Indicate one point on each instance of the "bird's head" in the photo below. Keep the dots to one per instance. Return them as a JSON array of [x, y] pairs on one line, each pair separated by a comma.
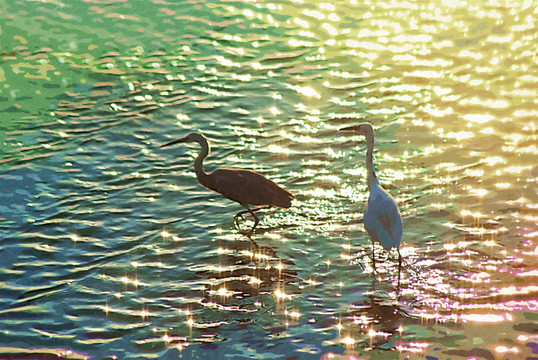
[[364, 128], [199, 138]]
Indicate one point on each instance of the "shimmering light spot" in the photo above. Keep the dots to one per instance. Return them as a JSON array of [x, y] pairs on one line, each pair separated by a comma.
[[501, 349], [478, 192], [475, 214], [362, 320], [490, 243], [516, 169], [526, 113], [494, 104], [483, 318], [475, 173], [365, 45], [301, 22], [224, 292], [460, 135], [488, 131], [528, 273], [294, 314], [348, 340], [323, 193], [327, 6], [467, 53], [478, 118], [314, 13], [493, 160], [373, 333], [282, 295], [330, 29], [438, 206], [273, 110], [166, 338], [435, 111], [428, 74], [313, 282], [278, 149], [305, 90], [144, 313], [413, 347]]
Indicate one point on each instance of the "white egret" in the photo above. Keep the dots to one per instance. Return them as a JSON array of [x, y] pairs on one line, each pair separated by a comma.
[[382, 219]]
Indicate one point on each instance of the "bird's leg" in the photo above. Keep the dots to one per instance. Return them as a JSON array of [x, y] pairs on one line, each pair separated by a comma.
[[236, 222], [373, 254], [252, 212], [399, 271], [256, 220], [241, 213]]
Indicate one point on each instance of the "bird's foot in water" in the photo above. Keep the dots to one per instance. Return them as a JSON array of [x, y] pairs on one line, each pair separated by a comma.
[[247, 233], [236, 219], [240, 215], [373, 259], [244, 232]]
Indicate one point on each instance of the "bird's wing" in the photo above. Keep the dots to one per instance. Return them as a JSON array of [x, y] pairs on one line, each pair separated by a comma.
[[249, 188], [382, 219], [229, 182]]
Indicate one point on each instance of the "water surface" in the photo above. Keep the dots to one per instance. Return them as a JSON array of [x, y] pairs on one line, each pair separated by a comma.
[[111, 249]]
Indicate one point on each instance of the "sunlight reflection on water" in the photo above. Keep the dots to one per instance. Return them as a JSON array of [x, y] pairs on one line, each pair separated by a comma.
[[111, 248]]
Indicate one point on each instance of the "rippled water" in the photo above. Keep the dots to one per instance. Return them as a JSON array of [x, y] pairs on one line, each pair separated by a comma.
[[111, 249]]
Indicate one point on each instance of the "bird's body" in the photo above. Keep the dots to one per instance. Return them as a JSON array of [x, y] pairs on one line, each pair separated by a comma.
[[382, 219], [246, 187]]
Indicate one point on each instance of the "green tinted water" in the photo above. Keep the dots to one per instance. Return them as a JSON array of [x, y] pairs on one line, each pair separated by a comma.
[[111, 248]]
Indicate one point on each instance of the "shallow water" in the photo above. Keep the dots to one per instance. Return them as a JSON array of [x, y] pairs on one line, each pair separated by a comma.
[[110, 248]]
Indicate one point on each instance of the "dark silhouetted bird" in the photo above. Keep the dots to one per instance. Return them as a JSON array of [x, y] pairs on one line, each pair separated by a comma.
[[246, 187]]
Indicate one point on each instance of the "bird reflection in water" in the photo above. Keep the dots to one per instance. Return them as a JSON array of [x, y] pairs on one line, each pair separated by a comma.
[[245, 187], [245, 271], [382, 219], [371, 324]]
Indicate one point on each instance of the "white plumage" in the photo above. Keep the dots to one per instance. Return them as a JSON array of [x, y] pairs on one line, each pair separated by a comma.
[[382, 219]]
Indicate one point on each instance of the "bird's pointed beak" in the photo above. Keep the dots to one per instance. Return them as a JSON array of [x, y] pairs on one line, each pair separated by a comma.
[[351, 128], [182, 140]]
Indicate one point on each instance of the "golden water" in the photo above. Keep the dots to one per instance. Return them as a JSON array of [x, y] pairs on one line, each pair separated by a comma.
[[111, 248]]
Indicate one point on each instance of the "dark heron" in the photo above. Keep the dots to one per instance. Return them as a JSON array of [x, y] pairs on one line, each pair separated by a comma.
[[382, 218], [246, 187]]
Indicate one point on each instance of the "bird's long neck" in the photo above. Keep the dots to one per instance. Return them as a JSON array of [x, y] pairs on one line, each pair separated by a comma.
[[201, 175], [372, 177]]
